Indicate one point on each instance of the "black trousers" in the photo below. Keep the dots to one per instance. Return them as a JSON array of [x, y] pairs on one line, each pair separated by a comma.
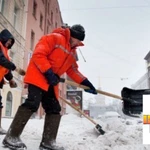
[[47, 98]]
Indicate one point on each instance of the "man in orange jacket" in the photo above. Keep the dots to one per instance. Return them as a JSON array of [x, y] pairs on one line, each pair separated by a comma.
[[6, 42], [54, 55]]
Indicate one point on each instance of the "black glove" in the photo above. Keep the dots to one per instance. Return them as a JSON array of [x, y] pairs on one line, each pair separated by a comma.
[[92, 89], [52, 78], [13, 67], [12, 84]]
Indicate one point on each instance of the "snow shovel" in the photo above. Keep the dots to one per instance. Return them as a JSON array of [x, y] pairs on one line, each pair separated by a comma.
[[132, 99], [97, 127]]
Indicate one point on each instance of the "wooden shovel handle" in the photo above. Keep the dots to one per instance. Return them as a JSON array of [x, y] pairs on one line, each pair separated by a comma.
[[20, 71], [85, 87], [79, 110]]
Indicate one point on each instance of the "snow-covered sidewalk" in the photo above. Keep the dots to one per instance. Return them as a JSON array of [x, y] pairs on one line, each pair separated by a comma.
[[76, 133]]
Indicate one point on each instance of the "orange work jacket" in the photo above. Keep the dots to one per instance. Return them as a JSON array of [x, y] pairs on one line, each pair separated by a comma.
[[3, 70], [53, 51]]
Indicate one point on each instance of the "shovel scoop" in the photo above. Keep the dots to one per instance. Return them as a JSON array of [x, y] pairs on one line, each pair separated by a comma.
[[133, 101]]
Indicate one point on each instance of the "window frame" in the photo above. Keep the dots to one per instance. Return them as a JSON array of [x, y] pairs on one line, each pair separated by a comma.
[[34, 9]]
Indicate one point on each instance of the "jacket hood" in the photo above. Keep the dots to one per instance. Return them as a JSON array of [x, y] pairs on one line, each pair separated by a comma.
[[66, 33], [5, 35], [63, 31]]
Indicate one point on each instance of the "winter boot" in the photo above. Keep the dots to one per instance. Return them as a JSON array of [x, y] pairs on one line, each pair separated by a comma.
[[50, 132], [12, 139], [2, 131]]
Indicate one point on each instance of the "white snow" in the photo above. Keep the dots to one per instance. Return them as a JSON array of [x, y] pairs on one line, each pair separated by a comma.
[[77, 133]]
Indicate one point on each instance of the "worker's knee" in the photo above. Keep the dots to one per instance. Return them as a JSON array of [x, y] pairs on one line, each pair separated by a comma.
[[32, 105], [51, 106]]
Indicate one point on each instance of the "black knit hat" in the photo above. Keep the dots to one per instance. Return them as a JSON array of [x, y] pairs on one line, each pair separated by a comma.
[[77, 31]]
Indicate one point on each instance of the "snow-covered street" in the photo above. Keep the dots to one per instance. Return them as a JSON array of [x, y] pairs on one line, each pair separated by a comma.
[[76, 133]]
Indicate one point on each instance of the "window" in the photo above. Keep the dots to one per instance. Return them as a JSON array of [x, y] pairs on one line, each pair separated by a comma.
[[16, 16], [48, 25], [55, 24], [8, 104], [1, 1], [32, 40], [2, 4], [48, 8], [51, 17], [34, 9], [41, 21], [47, 29], [56, 10]]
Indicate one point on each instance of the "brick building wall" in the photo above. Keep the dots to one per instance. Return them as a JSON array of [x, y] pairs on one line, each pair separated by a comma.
[[42, 17]]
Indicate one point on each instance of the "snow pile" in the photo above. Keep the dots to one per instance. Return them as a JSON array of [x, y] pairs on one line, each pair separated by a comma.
[[76, 133]]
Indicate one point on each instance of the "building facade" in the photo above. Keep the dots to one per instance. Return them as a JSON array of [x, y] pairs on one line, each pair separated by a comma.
[[14, 21], [144, 81], [147, 58]]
